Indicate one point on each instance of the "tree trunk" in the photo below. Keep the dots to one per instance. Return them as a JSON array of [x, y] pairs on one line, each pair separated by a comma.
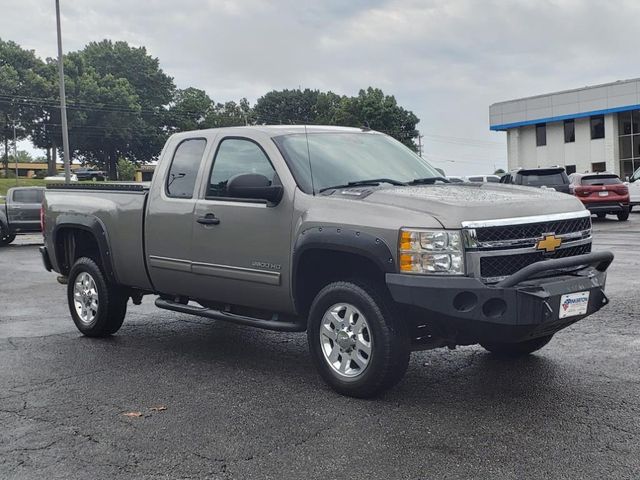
[[54, 159], [51, 163], [113, 171], [6, 157]]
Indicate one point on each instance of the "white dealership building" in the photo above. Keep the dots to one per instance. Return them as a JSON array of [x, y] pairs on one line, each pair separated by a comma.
[[586, 129]]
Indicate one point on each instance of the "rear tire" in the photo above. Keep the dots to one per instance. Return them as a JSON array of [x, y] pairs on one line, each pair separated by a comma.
[[602, 215], [623, 216], [519, 349], [5, 237], [356, 339], [97, 307]]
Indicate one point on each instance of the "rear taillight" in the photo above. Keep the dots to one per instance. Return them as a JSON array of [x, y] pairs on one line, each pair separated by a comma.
[[42, 219], [581, 191]]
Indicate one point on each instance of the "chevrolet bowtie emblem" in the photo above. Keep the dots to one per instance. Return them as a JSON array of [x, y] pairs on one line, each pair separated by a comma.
[[549, 243]]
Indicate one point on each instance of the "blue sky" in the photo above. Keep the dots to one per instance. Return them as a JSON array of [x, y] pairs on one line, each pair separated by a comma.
[[445, 60]]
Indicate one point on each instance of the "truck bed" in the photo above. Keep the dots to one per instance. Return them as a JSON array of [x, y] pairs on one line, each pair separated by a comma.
[[119, 208]]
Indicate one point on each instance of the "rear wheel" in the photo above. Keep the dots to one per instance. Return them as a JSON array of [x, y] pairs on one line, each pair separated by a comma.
[[5, 237], [358, 344], [623, 216], [97, 307], [602, 215], [517, 349]]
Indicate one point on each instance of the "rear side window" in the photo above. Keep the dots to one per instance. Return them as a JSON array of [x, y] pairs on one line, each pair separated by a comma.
[[236, 156], [601, 180], [28, 196], [184, 168], [539, 179], [476, 179]]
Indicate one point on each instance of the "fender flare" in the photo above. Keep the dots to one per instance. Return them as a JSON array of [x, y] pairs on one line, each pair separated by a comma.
[[93, 225], [341, 240], [4, 221]]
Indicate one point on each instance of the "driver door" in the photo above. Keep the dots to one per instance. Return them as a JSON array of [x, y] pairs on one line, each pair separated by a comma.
[[241, 247]]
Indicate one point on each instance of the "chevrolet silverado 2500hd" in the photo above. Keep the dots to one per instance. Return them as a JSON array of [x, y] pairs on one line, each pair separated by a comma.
[[343, 233]]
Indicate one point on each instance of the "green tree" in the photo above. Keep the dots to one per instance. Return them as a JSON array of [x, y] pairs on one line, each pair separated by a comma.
[[189, 109], [287, 107], [380, 112], [126, 170], [21, 76], [149, 93]]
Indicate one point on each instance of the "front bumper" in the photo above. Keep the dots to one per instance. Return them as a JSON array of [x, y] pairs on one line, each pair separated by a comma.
[[523, 306]]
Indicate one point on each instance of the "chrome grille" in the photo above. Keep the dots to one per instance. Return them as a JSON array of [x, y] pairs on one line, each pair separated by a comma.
[[498, 266], [532, 230]]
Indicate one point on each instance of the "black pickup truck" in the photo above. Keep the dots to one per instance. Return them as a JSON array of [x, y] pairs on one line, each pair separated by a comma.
[[21, 213]]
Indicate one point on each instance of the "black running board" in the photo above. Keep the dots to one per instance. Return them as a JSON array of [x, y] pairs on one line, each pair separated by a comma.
[[230, 317]]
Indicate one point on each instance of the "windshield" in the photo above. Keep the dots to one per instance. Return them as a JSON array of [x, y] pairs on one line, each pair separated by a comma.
[[601, 180], [538, 179], [337, 158]]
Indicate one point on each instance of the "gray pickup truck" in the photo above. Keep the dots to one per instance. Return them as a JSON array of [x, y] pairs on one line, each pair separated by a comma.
[[20, 214], [343, 233]]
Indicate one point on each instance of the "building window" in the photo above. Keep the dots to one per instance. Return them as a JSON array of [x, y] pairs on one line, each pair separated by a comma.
[[599, 167], [570, 169], [597, 127], [629, 142], [541, 135], [569, 131]]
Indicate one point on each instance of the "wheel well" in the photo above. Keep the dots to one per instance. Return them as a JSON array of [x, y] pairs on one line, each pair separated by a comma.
[[319, 267], [74, 243]]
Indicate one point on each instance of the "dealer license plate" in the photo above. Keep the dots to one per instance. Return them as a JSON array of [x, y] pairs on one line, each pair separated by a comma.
[[573, 304], [603, 194]]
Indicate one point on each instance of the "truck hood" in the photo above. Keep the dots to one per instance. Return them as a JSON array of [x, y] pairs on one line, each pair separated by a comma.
[[452, 204]]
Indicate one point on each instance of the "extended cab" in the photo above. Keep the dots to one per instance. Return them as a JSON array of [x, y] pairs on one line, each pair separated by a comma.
[[343, 233], [20, 214]]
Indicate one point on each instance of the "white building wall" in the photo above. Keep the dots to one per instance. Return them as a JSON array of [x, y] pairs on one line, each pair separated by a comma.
[[523, 153]]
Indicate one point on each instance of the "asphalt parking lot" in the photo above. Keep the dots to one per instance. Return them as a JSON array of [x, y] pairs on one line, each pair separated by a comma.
[[223, 401]]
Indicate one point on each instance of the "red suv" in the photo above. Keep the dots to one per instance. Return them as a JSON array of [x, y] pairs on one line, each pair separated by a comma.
[[602, 193]]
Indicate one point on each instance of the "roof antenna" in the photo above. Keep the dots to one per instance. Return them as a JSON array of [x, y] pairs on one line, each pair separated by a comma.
[[313, 188], [366, 127]]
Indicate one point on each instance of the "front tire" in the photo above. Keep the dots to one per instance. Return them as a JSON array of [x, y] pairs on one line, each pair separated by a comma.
[[519, 349], [356, 339], [97, 307]]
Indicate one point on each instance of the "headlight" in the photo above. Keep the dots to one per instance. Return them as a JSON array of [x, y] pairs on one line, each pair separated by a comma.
[[431, 252]]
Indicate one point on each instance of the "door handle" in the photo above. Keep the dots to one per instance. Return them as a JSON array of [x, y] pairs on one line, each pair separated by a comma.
[[208, 219]]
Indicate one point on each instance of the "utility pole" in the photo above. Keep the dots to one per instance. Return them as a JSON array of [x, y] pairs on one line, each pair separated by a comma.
[[15, 151], [63, 100], [420, 143]]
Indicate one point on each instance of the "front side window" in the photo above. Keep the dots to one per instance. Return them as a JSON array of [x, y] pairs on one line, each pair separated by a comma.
[[569, 131], [476, 179], [597, 127], [236, 156], [184, 168], [325, 159], [28, 196], [541, 135]]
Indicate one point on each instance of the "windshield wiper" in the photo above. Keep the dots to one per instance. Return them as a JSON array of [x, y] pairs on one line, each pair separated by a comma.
[[428, 181], [372, 182]]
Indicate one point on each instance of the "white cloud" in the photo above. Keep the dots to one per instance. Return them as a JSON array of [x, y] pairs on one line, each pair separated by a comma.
[[445, 60]]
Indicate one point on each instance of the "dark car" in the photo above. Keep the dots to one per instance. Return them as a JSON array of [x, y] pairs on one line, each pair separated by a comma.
[[551, 177], [21, 213], [90, 174], [602, 193]]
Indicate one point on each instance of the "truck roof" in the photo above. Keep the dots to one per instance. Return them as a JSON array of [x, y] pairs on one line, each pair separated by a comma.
[[276, 130]]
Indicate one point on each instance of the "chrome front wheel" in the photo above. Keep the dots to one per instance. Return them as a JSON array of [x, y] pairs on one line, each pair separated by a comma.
[[85, 298], [346, 340]]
